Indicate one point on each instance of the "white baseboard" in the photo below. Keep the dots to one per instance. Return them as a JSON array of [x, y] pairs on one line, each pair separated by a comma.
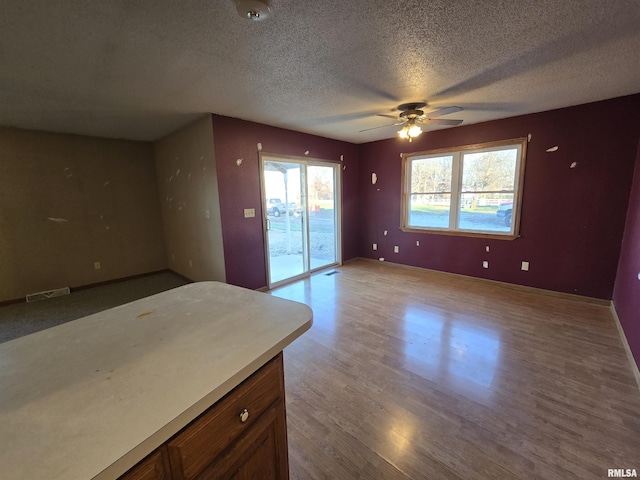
[[623, 337]]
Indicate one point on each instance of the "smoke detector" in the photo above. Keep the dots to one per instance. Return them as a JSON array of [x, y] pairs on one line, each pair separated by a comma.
[[254, 10]]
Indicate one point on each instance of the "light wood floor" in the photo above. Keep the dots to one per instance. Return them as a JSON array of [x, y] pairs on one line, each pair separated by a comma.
[[411, 374]]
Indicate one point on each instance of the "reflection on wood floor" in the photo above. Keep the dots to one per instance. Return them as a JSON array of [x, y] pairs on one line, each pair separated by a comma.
[[412, 374]]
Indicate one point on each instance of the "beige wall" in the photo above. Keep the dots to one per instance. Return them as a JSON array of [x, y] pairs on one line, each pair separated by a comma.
[[67, 201], [188, 186]]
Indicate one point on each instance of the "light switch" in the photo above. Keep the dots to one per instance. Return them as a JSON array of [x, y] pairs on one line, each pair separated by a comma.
[[249, 212], [485, 264]]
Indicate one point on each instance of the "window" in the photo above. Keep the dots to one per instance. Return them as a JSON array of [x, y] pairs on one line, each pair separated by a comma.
[[473, 190]]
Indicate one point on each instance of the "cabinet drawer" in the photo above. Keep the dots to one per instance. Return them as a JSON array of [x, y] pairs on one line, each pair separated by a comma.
[[208, 436]]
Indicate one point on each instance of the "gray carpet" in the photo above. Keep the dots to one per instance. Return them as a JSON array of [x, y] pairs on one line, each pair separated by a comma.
[[24, 318]]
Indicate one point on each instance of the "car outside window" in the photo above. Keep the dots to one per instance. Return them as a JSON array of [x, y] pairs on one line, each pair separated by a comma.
[[276, 207]]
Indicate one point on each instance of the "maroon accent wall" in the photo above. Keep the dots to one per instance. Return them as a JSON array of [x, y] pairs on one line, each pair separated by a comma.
[[572, 218], [626, 294], [239, 188]]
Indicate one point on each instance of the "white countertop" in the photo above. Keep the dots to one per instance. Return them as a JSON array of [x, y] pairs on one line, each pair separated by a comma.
[[92, 397]]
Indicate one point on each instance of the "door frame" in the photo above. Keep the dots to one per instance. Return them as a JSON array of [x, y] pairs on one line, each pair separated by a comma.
[[305, 161]]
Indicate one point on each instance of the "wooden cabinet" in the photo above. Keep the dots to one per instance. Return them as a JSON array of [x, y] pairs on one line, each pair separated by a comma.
[[242, 436]]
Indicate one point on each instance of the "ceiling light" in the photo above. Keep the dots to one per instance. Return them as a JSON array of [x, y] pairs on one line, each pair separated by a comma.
[[255, 10], [410, 130]]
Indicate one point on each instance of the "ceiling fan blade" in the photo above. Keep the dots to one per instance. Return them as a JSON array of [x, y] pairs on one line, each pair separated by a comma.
[[441, 121], [444, 111], [388, 116], [381, 126]]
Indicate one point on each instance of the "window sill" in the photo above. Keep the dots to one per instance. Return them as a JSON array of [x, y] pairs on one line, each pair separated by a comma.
[[458, 233]]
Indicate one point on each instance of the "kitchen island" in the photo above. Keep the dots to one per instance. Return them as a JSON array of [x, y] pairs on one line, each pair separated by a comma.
[[92, 398]]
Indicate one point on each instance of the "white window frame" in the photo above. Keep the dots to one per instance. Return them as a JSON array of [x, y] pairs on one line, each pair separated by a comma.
[[456, 188]]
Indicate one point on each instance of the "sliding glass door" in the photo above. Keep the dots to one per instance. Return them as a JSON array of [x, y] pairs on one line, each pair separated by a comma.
[[301, 212], [323, 215]]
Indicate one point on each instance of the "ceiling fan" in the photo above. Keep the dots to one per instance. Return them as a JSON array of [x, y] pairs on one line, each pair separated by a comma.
[[412, 117]]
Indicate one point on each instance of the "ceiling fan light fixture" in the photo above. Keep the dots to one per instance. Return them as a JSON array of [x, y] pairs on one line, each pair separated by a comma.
[[412, 117], [254, 10], [410, 130], [414, 131]]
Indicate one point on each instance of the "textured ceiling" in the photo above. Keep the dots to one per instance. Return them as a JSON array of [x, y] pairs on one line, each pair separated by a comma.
[[140, 69]]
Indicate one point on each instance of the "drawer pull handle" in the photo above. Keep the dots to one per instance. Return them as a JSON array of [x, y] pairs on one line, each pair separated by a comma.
[[244, 416]]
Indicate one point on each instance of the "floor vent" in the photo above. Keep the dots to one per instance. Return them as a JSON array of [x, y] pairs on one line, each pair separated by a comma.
[[58, 292], [332, 272]]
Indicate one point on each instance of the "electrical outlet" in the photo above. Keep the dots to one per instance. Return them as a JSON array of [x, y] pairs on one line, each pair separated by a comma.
[[525, 266], [249, 212], [486, 248], [417, 243], [396, 249], [485, 264], [375, 246], [97, 265]]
